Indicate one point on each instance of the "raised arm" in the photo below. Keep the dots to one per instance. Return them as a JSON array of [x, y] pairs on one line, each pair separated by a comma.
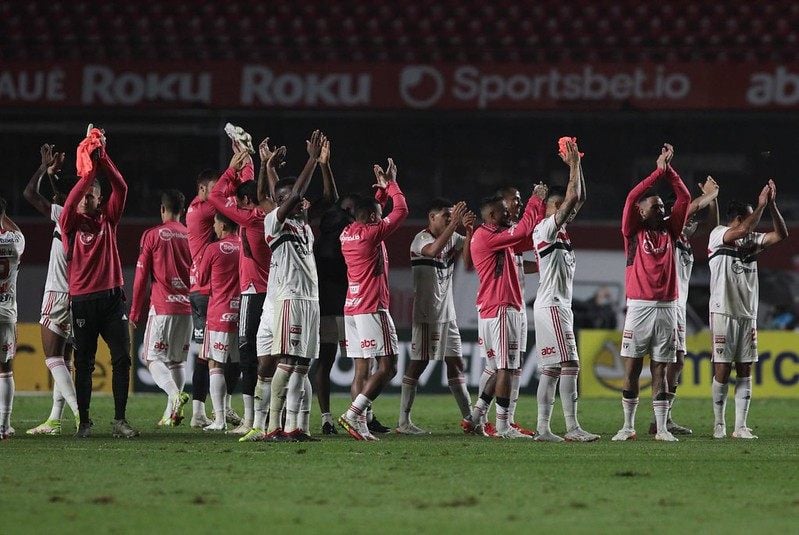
[[515, 234], [69, 216], [709, 200], [314, 147], [31, 192], [731, 235], [780, 231], [222, 190], [433, 248], [630, 217], [683, 199], [468, 223], [119, 188], [144, 266], [271, 161], [399, 209], [329, 190], [568, 208]]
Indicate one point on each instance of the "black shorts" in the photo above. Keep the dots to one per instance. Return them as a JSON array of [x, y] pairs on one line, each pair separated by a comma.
[[199, 311]]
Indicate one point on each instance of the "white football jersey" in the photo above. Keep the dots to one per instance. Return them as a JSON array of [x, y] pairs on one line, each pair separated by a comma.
[[57, 268], [734, 286], [292, 271], [684, 260], [432, 279], [12, 245], [556, 264]]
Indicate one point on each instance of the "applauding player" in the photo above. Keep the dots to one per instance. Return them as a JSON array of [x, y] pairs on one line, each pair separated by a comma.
[[652, 292], [12, 245], [435, 330], [733, 251]]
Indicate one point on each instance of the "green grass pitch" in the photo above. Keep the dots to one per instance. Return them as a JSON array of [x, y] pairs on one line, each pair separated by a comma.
[[183, 480]]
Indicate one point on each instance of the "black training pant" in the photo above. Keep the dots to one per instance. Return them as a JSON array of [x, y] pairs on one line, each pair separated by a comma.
[[101, 314], [249, 319]]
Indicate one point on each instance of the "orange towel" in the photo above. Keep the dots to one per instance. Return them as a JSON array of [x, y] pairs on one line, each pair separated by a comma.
[[83, 159], [562, 145]]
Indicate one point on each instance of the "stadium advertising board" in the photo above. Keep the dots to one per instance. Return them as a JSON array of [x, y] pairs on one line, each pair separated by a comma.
[[509, 86], [776, 375], [32, 375]]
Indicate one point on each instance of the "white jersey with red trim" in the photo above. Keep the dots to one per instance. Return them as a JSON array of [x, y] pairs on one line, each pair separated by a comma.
[[734, 289], [12, 245], [684, 258], [292, 270], [556, 264], [432, 279], [57, 267]]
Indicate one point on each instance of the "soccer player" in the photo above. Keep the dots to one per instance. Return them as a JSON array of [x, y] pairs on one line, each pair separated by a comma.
[[95, 280], [290, 320], [554, 321], [435, 333], [651, 284], [513, 201], [368, 324], [220, 262], [55, 322], [684, 263], [733, 251], [200, 223], [499, 301], [164, 261], [254, 256], [12, 245]]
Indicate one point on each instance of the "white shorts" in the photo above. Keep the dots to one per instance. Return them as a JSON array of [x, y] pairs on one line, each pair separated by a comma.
[[435, 341], [650, 330], [8, 341], [263, 340], [371, 335], [734, 339], [523, 332], [331, 331], [167, 337], [55, 313], [554, 335], [295, 328], [221, 347], [681, 325], [500, 338]]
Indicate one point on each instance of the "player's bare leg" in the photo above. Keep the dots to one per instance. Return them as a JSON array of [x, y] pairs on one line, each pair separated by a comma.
[[199, 386], [405, 425], [327, 357], [629, 398]]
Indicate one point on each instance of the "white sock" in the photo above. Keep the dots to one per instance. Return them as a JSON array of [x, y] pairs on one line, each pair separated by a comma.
[[719, 401], [479, 411], [249, 409], [629, 406], [261, 402], [358, 407], [277, 398], [228, 401], [457, 385], [743, 395], [63, 381], [370, 415], [545, 396], [217, 389], [294, 397], [406, 400], [6, 398], [198, 408], [327, 418], [487, 374], [304, 418], [163, 378], [514, 394], [178, 370], [57, 410], [568, 396], [503, 424], [661, 410]]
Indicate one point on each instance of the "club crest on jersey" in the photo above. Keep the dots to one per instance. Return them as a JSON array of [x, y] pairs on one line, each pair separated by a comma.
[[87, 238], [355, 288], [80, 323], [650, 248]]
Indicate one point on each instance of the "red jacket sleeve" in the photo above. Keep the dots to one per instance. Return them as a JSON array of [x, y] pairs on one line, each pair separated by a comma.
[[222, 200], [381, 196], [144, 266], [247, 172], [119, 189], [69, 215], [398, 213], [630, 219], [514, 235], [680, 210]]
